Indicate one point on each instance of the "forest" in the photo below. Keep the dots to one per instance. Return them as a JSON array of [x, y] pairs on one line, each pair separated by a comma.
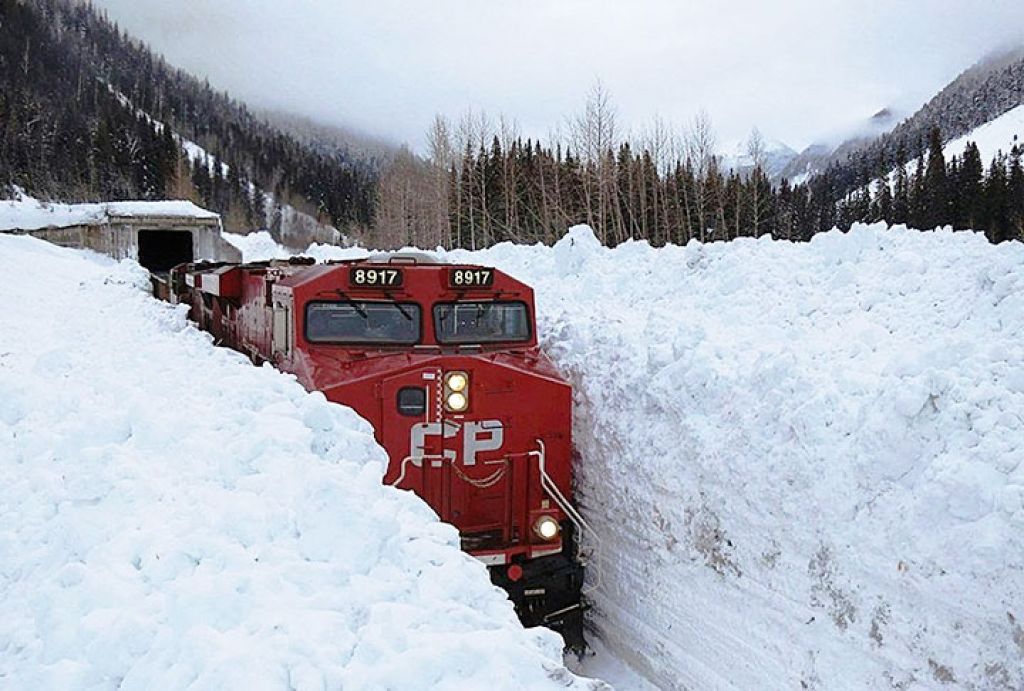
[[82, 109], [482, 183]]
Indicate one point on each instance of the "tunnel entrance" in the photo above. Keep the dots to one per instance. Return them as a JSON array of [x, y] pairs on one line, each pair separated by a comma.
[[161, 250]]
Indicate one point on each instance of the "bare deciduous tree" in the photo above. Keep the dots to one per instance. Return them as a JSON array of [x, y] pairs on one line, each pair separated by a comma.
[[701, 149], [594, 136], [441, 154], [758, 185]]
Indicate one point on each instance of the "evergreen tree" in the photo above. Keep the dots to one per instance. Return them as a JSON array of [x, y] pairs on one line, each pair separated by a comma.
[[998, 225], [901, 193], [969, 184], [934, 193], [1015, 194]]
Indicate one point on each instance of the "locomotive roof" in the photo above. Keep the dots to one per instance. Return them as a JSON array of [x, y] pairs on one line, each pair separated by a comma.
[[309, 272], [403, 258]]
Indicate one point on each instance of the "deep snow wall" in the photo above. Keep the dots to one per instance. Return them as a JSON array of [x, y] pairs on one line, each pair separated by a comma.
[[172, 517], [805, 459]]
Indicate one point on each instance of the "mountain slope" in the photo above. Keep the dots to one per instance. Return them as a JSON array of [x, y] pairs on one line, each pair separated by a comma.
[[816, 157], [64, 132], [979, 95]]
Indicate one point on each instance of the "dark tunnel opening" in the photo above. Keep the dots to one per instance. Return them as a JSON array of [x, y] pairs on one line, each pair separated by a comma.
[[162, 250]]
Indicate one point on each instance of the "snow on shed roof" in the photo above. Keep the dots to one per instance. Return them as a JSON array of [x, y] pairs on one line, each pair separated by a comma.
[[31, 214]]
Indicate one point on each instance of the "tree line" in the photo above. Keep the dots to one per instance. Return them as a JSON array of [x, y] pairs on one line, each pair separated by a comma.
[[482, 183], [929, 192]]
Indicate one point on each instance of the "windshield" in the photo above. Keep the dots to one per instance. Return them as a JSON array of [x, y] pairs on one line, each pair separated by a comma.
[[481, 322], [379, 323]]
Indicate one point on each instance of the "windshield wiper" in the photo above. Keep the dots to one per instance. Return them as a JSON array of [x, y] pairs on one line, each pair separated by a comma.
[[398, 305], [355, 305]]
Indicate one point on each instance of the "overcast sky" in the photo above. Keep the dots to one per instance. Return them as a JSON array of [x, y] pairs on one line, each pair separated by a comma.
[[800, 70]]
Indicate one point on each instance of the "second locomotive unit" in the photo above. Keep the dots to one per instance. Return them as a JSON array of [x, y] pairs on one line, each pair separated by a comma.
[[443, 361]]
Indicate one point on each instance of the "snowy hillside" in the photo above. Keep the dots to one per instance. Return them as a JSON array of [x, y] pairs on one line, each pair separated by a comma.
[[294, 226], [1001, 134], [172, 517]]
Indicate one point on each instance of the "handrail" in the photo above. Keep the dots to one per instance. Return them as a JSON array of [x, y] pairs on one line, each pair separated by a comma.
[[482, 483], [575, 517], [418, 460]]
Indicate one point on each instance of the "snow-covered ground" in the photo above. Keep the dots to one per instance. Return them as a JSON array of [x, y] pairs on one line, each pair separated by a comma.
[[806, 461], [172, 517]]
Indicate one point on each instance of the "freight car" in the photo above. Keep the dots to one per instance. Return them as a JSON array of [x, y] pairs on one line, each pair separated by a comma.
[[442, 359]]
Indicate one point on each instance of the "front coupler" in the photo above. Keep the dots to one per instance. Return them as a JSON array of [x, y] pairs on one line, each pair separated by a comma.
[[547, 592]]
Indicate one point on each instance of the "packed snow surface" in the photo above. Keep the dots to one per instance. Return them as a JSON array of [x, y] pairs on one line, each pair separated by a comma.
[[172, 517], [806, 461], [261, 245], [27, 213]]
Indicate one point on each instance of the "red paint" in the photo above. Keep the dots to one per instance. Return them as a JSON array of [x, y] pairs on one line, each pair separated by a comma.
[[515, 384], [515, 572]]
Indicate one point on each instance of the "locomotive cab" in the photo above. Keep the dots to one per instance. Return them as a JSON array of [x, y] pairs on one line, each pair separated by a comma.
[[443, 361]]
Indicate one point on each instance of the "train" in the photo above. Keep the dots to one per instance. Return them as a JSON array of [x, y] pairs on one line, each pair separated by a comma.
[[443, 360]]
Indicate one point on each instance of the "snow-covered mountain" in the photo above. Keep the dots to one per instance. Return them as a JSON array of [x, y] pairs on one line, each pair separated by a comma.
[[981, 95], [816, 157], [99, 96], [998, 135], [293, 227], [776, 157]]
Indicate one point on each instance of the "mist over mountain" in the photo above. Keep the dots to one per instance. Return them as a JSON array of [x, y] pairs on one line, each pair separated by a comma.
[[817, 156], [87, 113], [349, 142], [980, 94]]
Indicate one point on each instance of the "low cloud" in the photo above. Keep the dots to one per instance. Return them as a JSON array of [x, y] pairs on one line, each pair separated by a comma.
[[798, 69]]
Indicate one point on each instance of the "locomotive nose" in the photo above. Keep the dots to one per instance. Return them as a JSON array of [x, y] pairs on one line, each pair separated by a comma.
[[464, 433]]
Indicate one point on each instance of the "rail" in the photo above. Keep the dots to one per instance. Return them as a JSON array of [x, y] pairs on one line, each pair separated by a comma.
[[580, 523], [482, 483]]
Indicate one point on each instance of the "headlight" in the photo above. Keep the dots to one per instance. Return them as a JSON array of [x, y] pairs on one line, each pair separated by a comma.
[[457, 401], [546, 527], [457, 381], [456, 391]]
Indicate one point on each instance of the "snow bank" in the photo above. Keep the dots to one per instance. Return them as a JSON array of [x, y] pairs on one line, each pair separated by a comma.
[[27, 213], [258, 246], [805, 460], [261, 246], [172, 517]]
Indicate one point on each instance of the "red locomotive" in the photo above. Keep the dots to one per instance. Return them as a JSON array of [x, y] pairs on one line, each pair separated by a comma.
[[443, 360]]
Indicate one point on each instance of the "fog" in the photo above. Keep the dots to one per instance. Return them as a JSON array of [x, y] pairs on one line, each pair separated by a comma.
[[799, 70]]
